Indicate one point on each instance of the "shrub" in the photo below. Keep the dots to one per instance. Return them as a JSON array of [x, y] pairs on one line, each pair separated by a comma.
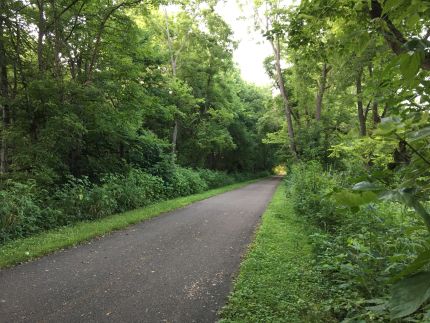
[[184, 182], [215, 178], [20, 213], [309, 188], [73, 200], [358, 249], [359, 260], [25, 209], [101, 202], [135, 190], [81, 200]]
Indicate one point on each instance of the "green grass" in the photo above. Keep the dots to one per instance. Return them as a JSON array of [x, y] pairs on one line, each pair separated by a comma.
[[25, 249], [278, 281]]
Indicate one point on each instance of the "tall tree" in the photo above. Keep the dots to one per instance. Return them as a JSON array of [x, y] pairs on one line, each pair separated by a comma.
[[4, 92], [272, 28], [322, 86]]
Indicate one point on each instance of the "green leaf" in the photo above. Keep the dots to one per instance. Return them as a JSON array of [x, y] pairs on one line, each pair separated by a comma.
[[413, 20], [422, 260], [391, 196], [354, 199], [390, 5], [366, 186], [403, 195], [388, 126], [409, 294], [419, 134], [410, 64]]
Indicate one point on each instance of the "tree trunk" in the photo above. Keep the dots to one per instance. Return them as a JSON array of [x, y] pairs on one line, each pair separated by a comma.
[[3, 103], [375, 114], [360, 111], [321, 90], [384, 112], [57, 40], [98, 40], [281, 86], [90, 67], [3, 148], [175, 136], [392, 35], [173, 65], [41, 34]]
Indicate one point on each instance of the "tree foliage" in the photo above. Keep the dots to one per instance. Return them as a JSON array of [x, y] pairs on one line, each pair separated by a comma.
[[91, 95], [357, 76]]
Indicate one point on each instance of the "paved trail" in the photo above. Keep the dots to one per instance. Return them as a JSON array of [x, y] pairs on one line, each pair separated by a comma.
[[177, 267]]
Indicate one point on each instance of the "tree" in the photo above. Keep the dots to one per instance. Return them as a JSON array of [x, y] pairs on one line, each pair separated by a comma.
[[271, 27]]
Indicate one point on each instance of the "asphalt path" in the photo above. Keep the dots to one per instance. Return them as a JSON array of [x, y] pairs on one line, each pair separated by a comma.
[[177, 267]]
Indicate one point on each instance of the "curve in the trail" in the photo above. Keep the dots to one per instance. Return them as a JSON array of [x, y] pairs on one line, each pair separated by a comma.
[[177, 267]]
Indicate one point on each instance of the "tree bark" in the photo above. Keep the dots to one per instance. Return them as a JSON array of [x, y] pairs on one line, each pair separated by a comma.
[[384, 112], [89, 70], [280, 81], [375, 114], [41, 34], [321, 91], [99, 34], [175, 136], [394, 38], [4, 97], [173, 65], [360, 111], [57, 40]]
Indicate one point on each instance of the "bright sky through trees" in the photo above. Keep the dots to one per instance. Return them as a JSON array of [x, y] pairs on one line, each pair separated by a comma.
[[252, 48]]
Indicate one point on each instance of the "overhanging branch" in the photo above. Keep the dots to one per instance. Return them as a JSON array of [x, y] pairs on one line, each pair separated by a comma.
[[392, 35]]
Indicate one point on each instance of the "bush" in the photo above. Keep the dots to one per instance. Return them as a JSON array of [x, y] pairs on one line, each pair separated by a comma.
[[81, 200], [25, 209], [73, 200], [309, 187], [215, 178], [373, 245], [358, 249], [101, 202], [184, 182], [137, 189], [20, 211]]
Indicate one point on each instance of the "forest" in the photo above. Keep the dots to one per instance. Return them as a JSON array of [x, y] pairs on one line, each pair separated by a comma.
[[108, 106], [111, 105]]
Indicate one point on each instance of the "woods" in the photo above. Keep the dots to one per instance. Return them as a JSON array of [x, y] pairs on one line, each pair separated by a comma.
[[103, 96], [108, 106], [142, 72]]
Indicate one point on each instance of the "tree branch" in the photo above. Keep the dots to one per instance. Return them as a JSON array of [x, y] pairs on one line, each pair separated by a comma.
[[393, 36], [48, 26], [100, 32]]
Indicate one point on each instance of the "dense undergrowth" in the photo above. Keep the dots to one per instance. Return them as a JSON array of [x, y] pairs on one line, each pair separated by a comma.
[[25, 249], [26, 209], [359, 251], [279, 280], [315, 260]]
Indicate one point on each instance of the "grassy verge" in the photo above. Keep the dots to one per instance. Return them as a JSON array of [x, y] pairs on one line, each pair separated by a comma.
[[278, 281], [25, 249]]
